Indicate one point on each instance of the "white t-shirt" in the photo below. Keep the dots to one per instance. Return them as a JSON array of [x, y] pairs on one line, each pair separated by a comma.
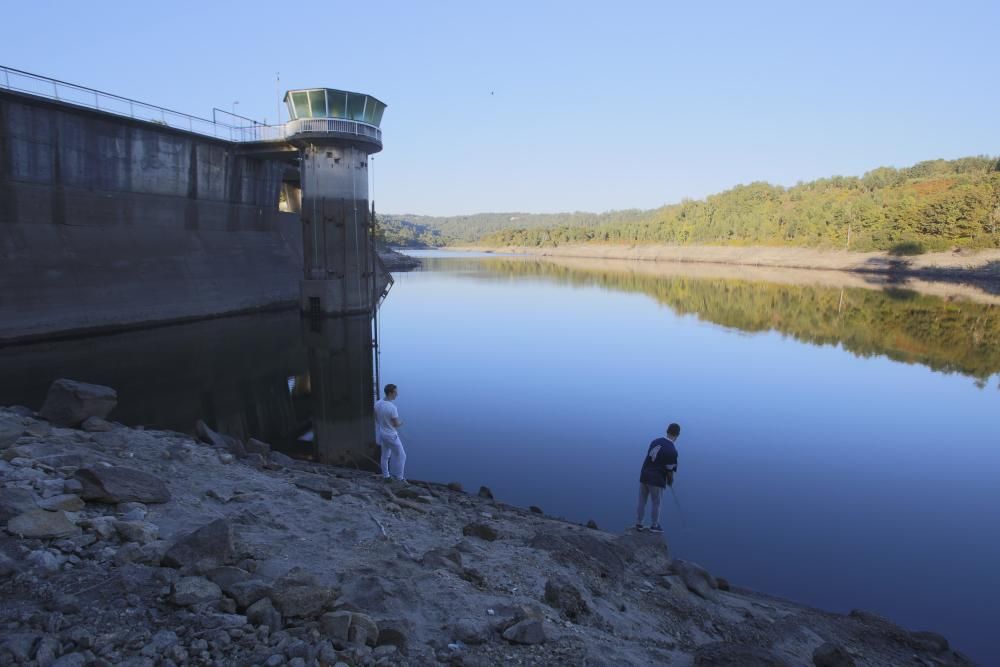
[[385, 412]]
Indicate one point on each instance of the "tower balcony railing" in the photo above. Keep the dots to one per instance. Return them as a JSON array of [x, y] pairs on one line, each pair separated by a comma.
[[236, 128], [303, 127]]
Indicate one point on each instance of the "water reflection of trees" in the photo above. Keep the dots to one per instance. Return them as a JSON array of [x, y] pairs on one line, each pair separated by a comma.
[[903, 325]]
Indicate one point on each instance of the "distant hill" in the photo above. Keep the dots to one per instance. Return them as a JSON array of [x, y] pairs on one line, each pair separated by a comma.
[[932, 205]]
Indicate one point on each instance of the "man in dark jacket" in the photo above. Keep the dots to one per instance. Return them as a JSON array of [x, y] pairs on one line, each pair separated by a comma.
[[658, 470]]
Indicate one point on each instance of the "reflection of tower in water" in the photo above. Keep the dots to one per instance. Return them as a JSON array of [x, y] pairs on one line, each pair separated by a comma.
[[338, 393]]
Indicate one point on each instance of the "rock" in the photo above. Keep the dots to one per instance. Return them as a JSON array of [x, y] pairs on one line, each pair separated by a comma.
[[535, 509], [21, 645], [210, 546], [66, 502], [471, 632], [208, 436], [14, 501], [142, 532], [696, 578], [448, 559], [336, 627], [593, 551], [930, 642], [42, 524], [227, 576], [394, 632], [10, 431], [480, 530], [726, 654], [226, 458], [255, 446], [484, 492], [118, 484], [104, 526], [96, 425], [364, 630], [318, 485], [194, 590], [564, 596], [592, 524], [71, 660], [301, 601], [281, 459], [69, 403], [831, 655], [722, 584], [47, 650], [262, 612], [528, 631], [455, 486], [44, 560]]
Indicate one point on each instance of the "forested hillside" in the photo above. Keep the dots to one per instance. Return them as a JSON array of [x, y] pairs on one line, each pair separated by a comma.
[[932, 205]]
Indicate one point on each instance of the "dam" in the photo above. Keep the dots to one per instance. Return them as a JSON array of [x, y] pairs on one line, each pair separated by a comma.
[[117, 214]]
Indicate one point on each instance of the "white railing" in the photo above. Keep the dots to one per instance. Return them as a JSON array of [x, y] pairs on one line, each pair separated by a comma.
[[305, 126], [70, 93]]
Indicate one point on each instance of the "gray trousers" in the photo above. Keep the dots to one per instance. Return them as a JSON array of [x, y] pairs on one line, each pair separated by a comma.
[[655, 493]]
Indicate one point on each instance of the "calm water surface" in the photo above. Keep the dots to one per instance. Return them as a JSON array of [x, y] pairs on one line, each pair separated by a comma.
[[839, 444]]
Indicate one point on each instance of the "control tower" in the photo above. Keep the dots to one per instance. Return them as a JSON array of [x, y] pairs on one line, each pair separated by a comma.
[[335, 132]]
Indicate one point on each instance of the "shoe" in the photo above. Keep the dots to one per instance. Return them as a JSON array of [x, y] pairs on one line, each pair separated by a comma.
[[386, 478], [655, 529], [639, 528]]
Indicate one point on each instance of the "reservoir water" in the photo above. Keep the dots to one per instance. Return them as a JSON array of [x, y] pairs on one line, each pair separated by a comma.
[[840, 436]]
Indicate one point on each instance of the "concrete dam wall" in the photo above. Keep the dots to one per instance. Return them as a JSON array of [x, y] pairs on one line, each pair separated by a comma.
[[108, 222]]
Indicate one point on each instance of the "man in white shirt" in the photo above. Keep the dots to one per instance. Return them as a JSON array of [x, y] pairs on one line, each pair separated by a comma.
[[386, 422]]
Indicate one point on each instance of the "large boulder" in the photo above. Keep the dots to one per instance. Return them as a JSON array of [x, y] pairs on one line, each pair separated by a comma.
[[118, 484], [696, 578], [11, 429], [262, 612], [564, 596], [42, 524], [194, 590], [528, 631], [14, 501], [831, 655], [480, 530], [299, 594], [227, 442], [592, 551], [211, 546], [70, 403]]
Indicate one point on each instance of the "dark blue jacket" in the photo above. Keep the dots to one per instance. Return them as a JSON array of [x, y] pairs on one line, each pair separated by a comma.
[[655, 466]]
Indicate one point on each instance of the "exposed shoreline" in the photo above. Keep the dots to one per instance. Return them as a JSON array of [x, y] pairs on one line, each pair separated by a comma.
[[302, 554], [973, 266]]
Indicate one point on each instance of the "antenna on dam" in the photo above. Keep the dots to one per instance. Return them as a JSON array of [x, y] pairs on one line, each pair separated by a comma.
[[336, 131]]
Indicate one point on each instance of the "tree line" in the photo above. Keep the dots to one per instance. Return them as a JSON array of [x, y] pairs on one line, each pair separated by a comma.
[[932, 205]]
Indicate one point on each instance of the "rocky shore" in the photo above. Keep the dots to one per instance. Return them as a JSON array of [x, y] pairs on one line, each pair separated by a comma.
[[979, 267], [127, 546], [397, 261]]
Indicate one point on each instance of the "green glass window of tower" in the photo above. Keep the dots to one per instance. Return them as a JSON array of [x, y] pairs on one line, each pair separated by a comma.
[[332, 103]]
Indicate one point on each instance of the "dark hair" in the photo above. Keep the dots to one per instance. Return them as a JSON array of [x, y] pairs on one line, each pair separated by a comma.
[[389, 388], [674, 430]]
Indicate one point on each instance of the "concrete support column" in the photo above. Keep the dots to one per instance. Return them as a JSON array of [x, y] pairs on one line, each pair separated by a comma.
[[338, 248]]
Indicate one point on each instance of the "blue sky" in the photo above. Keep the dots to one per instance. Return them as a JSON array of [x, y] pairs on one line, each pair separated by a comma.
[[555, 106]]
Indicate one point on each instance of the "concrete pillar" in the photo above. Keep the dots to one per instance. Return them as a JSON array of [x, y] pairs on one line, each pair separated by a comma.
[[338, 247]]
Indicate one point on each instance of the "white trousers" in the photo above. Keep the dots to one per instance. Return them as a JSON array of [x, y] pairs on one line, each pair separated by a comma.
[[393, 455]]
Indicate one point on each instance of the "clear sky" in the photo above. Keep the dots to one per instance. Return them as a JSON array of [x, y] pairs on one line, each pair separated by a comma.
[[556, 106]]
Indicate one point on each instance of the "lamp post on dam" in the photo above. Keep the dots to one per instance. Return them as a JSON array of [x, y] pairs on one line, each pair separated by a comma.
[[335, 132]]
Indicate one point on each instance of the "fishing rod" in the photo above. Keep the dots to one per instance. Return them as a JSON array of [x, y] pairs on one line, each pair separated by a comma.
[[677, 502]]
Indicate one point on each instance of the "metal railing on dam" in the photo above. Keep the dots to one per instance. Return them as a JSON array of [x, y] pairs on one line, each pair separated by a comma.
[[81, 96]]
